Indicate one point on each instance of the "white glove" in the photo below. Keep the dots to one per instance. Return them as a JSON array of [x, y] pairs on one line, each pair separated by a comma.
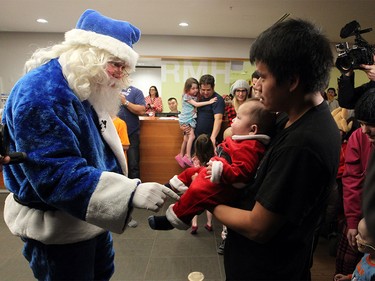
[[151, 196]]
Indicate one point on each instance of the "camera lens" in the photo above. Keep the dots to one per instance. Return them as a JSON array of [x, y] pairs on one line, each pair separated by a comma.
[[344, 63]]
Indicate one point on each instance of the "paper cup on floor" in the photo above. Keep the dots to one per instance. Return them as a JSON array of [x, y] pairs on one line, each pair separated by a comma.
[[196, 276]]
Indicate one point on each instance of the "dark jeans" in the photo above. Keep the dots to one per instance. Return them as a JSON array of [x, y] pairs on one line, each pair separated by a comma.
[[133, 157], [87, 260]]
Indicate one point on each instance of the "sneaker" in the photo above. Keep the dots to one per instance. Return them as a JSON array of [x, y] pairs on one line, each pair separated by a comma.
[[220, 250], [180, 160], [187, 161], [133, 223]]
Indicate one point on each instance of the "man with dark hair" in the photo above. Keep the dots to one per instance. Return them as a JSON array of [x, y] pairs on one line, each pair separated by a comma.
[[272, 230], [173, 104], [209, 117]]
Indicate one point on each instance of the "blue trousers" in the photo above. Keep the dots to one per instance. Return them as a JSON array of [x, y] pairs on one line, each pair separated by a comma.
[[87, 260]]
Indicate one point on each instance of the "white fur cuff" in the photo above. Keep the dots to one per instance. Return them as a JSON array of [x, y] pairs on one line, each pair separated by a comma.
[[217, 170], [177, 184]]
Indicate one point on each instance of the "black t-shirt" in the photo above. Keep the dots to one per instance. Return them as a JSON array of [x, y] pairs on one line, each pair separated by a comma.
[[293, 180]]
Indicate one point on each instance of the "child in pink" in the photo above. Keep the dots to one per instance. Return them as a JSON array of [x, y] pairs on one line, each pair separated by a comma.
[[233, 168]]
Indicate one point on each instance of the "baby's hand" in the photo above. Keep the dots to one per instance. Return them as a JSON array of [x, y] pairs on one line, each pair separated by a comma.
[[213, 100], [194, 176]]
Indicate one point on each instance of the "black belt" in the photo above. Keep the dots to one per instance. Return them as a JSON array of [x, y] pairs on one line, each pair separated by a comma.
[[34, 205]]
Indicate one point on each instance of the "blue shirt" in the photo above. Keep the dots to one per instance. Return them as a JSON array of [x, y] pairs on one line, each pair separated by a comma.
[[133, 95]]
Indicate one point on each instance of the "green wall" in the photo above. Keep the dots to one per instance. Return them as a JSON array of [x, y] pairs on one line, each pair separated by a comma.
[[175, 72]]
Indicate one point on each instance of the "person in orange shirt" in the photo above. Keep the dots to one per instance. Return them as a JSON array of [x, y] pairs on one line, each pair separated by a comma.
[[122, 131]]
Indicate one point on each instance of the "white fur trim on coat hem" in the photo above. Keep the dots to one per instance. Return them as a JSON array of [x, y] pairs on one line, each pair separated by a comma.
[[48, 227]]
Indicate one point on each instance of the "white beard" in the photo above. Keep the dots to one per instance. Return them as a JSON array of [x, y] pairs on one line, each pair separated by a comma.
[[106, 97]]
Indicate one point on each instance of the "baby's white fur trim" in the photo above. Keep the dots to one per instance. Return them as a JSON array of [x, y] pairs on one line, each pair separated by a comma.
[[174, 220], [178, 184], [217, 170], [262, 138]]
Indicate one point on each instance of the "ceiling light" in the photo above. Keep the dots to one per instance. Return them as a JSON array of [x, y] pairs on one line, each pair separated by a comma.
[[183, 24], [42, 21]]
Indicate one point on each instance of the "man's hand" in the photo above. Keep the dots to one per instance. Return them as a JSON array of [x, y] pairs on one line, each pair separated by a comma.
[[123, 99], [370, 71], [151, 196], [352, 233]]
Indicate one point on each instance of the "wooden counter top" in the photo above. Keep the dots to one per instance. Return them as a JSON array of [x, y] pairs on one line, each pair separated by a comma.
[[161, 140]]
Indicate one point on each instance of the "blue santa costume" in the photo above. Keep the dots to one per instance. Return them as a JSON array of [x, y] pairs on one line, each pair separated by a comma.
[[72, 189]]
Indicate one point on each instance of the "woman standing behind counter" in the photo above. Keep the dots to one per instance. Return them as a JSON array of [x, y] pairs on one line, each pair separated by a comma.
[[154, 103]]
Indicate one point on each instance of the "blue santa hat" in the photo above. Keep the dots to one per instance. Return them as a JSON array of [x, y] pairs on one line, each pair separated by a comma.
[[115, 36]]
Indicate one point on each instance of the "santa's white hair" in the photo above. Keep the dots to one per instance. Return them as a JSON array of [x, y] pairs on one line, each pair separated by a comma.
[[84, 67]]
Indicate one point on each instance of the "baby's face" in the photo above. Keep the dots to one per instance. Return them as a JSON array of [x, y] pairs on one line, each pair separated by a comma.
[[242, 123]]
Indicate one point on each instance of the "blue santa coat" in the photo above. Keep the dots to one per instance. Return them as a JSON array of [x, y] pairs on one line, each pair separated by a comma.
[[73, 165]]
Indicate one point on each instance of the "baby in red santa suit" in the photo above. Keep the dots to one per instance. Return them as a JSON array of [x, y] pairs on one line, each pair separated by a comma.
[[232, 169]]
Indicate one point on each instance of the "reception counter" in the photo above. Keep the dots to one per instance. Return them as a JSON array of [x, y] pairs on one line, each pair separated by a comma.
[[161, 140]]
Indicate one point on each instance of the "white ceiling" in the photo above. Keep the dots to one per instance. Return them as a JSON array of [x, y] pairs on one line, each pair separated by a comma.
[[218, 18]]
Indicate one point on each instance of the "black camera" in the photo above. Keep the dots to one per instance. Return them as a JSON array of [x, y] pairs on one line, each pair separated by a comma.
[[360, 53], [15, 157]]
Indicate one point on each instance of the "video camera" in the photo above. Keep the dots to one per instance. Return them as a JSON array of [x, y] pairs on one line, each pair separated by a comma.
[[360, 53], [15, 157]]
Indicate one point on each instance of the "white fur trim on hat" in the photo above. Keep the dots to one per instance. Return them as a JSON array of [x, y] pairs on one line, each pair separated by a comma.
[[115, 36], [239, 84], [107, 43]]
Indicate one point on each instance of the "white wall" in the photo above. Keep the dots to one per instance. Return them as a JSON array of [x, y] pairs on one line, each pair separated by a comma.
[[144, 78], [17, 47]]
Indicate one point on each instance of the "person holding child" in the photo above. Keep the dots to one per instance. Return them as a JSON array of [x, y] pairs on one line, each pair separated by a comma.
[[187, 117], [271, 230]]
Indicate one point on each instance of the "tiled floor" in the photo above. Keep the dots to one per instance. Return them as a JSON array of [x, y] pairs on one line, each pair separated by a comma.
[[144, 254]]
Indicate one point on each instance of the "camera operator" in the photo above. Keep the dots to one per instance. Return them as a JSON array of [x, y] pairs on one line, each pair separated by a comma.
[[348, 94]]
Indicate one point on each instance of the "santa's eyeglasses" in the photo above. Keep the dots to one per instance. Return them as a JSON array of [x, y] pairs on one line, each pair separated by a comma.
[[119, 66]]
